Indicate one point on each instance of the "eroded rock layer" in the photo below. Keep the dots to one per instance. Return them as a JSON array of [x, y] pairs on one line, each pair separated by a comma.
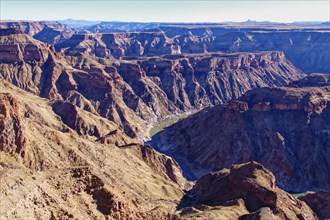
[[136, 93], [285, 128], [53, 171], [245, 191]]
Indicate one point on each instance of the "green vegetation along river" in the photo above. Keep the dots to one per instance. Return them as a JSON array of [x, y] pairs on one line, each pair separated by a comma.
[[167, 122]]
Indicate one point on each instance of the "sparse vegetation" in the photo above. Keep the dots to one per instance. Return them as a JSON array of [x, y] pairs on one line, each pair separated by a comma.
[[154, 130], [296, 195]]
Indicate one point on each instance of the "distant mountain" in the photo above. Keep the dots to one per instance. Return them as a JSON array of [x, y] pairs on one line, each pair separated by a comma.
[[78, 23], [307, 22], [325, 23]]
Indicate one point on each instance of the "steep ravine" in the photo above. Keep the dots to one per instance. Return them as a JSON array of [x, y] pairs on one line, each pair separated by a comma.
[[286, 129], [139, 92]]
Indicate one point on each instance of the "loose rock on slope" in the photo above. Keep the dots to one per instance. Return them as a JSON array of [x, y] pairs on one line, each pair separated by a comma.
[[245, 191], [285, 129]]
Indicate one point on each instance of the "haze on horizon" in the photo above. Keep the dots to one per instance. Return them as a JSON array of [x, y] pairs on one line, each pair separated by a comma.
[[167, 11]]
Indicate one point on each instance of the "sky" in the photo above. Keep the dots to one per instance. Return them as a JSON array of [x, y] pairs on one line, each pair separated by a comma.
[[167, 10]]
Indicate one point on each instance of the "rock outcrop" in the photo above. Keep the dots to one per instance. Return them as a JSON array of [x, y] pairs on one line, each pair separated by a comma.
[[135, 93], [50, 171], [250, 185], [305, 47], [319, 203], [51, 32], [285, 129]]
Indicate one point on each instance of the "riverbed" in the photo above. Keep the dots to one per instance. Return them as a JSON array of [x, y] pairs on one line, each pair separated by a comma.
[[165, 123]]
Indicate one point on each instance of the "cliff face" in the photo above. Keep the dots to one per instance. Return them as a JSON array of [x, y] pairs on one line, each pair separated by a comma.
[[285, 128], [135, 93], [53, 167], [47, 31], [35, 67], [306, 49], [319, 202], [305, 46], [121, 44], [247, 191], [70, 144], [204, 80], [53, 171]]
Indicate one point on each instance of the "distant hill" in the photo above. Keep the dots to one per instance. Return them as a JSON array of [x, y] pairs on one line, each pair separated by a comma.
[[78, 23]]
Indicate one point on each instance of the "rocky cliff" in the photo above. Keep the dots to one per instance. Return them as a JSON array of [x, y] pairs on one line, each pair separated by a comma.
[[51, 32], [319, 203], [284, 128], [53, 171], [136, 93], [306, 48], [245, 191], [71, 125]]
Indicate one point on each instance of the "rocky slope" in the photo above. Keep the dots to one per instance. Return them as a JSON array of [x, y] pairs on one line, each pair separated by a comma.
[[245, 191], [136, 93], [47, 31], [70, 144], [319, 202], [51, 171], [307, 48], [284, 128], [122, 44]]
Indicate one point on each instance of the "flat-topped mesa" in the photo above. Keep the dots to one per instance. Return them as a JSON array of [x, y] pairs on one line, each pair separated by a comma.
[[136, 91], [309, 94], [50, 32], [15, 46], [311, 80], [89, 44], [235, 61], [30, 27], [8, 31], [123, 44]]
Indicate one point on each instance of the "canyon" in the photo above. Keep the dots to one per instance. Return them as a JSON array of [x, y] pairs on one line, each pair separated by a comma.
[[80, 106], [306, 46], [138, 92], [284, 128]]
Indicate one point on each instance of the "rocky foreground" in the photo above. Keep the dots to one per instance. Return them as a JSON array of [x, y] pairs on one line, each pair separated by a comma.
[[50, 171]]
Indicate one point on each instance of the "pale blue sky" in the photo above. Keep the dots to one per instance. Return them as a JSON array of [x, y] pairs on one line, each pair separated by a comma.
[[171, 11]]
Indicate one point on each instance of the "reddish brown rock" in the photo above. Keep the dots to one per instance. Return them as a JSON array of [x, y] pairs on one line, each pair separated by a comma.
[[238, 106], [319, 203], [47, 31], [262, 214], [256, 186], [135, 93], [276, 130], [56, 173], [13, 137]]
